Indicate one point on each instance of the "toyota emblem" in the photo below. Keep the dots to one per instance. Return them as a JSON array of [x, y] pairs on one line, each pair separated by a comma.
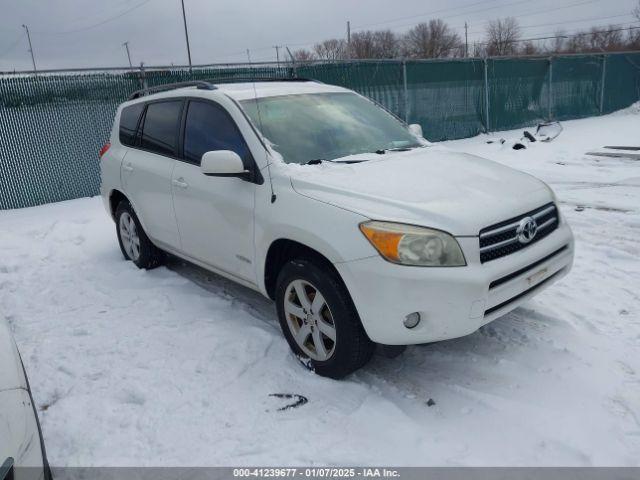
[[526, 230]]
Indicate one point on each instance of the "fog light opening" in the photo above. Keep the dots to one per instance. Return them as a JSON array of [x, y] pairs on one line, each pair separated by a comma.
[[412, 320]]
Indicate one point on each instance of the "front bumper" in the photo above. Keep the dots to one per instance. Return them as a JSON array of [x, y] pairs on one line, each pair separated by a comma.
[[452, 301]]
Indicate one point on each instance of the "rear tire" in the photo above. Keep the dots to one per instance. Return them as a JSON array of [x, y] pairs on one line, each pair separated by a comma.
[[303, 287], [133, 241]]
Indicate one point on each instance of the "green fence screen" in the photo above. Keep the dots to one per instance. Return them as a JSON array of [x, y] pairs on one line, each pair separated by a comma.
[[53, 124]]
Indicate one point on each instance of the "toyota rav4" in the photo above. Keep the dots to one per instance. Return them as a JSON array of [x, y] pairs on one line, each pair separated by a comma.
[[359, 229]]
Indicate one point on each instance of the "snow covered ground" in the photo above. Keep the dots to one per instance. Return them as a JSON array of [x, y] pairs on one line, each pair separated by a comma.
[[175, 366]]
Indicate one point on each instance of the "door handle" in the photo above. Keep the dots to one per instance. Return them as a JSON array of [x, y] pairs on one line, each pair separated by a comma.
[[180, 183], [127, 167]]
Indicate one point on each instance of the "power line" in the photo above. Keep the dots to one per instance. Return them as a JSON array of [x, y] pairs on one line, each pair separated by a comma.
[[361, 27], [108, 7], [593, 30], [523, 27], [551, 37], [300, 44], [579, 34], [530, 13], [89, 27], [520, 2], [575, 21], [536, 12], [583, 2]]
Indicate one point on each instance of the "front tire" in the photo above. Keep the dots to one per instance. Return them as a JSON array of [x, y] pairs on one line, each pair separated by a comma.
[[319, 320], [133, 241]]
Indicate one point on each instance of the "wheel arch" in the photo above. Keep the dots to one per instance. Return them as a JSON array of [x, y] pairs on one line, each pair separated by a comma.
[[115, 197], [283, 250]]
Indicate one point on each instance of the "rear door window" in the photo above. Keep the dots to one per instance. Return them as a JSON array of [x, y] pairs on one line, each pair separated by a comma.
[[160, 129], [129, 122], [209, 127]]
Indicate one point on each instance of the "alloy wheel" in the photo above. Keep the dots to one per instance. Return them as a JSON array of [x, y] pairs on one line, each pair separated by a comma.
[[129, 236], [310, 320]]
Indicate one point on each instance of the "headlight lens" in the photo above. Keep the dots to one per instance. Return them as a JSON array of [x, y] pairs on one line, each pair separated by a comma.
[[411, 245]]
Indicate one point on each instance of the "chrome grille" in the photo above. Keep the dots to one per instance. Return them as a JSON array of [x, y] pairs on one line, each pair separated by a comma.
[[501, 239]]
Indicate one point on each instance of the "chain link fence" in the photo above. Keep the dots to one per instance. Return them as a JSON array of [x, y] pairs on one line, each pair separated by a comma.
[[52, 124]]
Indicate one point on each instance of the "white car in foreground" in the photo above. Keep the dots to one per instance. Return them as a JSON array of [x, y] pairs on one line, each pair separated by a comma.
[[359, 229], [22, 452]]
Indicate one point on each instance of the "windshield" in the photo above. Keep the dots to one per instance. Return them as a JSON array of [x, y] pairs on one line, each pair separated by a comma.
[[326, 126]]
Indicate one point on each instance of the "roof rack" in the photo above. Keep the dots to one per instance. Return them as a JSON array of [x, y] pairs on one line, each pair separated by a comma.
[[268, 79], [200, 84], [204, 85]]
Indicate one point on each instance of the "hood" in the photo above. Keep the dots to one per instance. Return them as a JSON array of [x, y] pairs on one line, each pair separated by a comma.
[[432, 186], [11, 372]]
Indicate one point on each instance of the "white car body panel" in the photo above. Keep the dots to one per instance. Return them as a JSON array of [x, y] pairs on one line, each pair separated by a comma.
[[11, 373], [451, 301], [206, 206], [19, 432], [19, 437], [430, 186], [307, 221], [228, 225], [146, 181]]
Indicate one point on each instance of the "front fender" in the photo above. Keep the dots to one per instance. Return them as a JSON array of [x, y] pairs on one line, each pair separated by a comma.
[[325, 228]]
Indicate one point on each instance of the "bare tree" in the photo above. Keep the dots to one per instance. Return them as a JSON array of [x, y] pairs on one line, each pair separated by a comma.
[[374, 44], [303, 55], [636, 11], [607, 40], [633, 40], [478, 50], [332, 49], [558, 43], [362, 45], [432, 40], [577, 43], [387, 44], [502, 36], [529, 48]]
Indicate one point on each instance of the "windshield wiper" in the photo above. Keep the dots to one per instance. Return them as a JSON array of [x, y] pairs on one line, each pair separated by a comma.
[[382, 151], [318, 161]]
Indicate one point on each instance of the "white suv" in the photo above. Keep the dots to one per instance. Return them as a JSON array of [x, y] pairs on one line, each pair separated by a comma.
[[358, 228]]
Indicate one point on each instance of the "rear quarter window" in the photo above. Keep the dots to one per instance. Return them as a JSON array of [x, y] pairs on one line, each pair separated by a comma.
[[129, 122]]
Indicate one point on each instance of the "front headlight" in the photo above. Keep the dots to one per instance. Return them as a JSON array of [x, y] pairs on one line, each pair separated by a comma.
[[411, 245]]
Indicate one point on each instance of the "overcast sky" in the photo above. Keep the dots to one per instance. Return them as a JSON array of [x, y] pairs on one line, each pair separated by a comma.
[[90, 33]]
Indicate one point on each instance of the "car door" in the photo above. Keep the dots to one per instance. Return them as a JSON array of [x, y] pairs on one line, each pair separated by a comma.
[[147, 168], [214, 214]]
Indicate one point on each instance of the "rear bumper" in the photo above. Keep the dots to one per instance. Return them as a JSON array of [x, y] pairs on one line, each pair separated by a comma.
[[454, 301]]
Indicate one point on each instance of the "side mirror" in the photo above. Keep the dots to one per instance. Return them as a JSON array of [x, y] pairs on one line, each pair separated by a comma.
[[416, 129], [223, 163]]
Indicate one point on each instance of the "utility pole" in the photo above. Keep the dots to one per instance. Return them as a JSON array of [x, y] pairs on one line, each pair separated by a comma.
[[277, 47], [126, 46], [348, 38], [466, 40], [186, 33], [293, 60], [33, 60]]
